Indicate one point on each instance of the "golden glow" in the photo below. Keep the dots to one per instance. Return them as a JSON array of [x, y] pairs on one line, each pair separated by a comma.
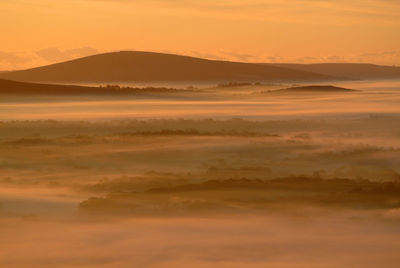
[[243, 30]]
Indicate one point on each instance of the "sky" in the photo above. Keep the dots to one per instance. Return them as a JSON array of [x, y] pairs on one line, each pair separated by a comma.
[[39, 32]]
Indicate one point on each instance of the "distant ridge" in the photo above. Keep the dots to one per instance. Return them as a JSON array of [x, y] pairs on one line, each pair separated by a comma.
[[312, 89], [136, 66], [14, 87], [357, 71], [8, 87]]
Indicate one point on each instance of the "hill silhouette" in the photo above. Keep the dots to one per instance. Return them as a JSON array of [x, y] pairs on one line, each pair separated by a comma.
[[347, 70], [126, 66], [14, 87], [8, 87], [313, 89]]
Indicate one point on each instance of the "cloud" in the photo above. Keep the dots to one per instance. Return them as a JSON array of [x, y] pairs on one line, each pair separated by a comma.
[[54, 54], [9, 59], [12, 60], [378, 57], [381, 57]]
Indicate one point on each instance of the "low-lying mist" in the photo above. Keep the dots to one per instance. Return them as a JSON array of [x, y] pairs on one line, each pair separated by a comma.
[[212, 180], [351, 239]]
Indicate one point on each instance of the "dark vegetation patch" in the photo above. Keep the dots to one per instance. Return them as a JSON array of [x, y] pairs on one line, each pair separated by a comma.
[[312, 89], [238, 195]]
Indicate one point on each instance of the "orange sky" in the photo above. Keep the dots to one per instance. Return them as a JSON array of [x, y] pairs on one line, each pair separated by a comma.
[[37, 32]]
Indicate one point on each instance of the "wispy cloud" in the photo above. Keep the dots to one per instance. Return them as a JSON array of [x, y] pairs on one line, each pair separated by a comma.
[[13, 57], [53, 54], [12, 60]]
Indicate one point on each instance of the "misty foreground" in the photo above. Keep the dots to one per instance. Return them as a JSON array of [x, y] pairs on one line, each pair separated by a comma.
[[231, 176], [200, 193]]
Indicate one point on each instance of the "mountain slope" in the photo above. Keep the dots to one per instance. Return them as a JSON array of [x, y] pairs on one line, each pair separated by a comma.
[[349, 70], [147, 66]]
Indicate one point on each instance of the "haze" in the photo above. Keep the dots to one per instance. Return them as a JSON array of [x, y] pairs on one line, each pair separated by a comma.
[[183, 133]]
